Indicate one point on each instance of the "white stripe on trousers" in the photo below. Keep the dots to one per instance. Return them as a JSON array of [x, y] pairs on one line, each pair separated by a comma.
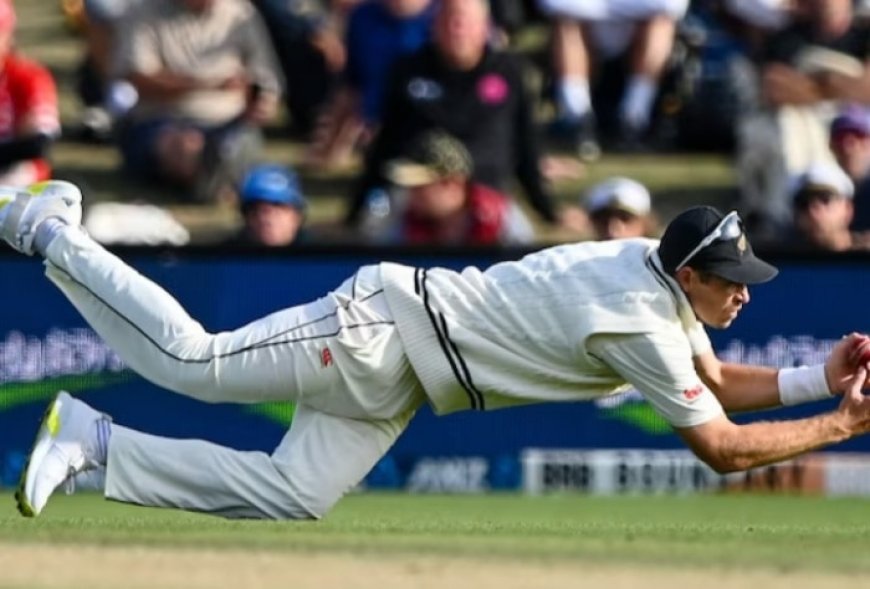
[[349, 411]]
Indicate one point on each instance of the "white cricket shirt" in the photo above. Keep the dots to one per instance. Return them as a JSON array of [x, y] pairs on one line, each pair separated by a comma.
[[567, 323]]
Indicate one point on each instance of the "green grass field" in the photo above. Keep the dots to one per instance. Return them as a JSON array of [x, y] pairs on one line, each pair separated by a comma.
[[719, 541]]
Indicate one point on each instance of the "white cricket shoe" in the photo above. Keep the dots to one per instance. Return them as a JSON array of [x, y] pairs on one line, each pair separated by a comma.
[[59, 452], [23, 210]]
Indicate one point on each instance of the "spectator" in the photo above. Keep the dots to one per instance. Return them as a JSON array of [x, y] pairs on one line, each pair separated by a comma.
[[441, 206], [620, 208], [821, 59], [378, 33], [850, 144], [29, 119], [207, 81], [638, 33], [273, 207], [305, 34], [459, 84], [105, 98], [822, 208]]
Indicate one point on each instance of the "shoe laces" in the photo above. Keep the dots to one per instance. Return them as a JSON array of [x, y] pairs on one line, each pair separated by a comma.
[[69, 483]]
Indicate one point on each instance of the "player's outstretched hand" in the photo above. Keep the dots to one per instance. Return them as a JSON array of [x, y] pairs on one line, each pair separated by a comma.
[[859, 355], [855, 405], [848, 354]]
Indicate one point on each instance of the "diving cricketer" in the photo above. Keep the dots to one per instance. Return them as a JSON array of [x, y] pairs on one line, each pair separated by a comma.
[[568, 323]]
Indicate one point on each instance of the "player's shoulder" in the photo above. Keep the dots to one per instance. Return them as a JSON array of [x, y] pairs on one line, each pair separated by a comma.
[[623, 255]]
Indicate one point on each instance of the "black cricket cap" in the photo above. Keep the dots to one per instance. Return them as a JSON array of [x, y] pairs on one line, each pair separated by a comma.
[[728, 256]]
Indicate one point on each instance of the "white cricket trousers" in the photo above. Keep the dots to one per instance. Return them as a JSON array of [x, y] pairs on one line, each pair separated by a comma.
[[339, 358]]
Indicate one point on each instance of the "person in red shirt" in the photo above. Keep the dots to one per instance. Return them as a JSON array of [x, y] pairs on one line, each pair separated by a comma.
[[29, 119], [436, 202]]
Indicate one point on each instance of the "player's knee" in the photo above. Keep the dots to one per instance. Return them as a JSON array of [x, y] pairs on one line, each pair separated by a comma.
[[291, 509], [270, 512], [293, 515], [307, 502], [277, 504], [315, 507], [287, 513]]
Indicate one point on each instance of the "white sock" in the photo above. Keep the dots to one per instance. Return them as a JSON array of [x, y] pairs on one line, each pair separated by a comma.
[[97, 447], [46, 232], [637, 102], [573, 98], [92, 479]]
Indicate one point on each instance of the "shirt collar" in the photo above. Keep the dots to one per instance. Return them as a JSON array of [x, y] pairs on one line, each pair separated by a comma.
[[684, 307]]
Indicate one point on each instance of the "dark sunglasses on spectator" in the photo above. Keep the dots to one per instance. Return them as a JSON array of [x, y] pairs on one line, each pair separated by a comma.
[[804, 199]]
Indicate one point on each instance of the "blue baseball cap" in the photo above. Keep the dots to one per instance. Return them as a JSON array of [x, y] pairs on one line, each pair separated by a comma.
[[273, 184], [854, 118]]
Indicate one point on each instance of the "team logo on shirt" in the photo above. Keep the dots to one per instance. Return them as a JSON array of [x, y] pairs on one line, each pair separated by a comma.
[[693, 393], [492, 89], [424, 89]]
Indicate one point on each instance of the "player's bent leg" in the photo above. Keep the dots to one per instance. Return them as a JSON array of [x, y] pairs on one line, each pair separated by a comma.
[[319, 460], [324, 456], [197, 476], [278, 357]]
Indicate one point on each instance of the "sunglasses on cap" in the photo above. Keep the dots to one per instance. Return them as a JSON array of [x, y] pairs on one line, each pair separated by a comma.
[[730, 227]]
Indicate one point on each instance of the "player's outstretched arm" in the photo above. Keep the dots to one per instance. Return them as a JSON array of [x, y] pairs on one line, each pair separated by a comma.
[[728, 447], [741, 387]]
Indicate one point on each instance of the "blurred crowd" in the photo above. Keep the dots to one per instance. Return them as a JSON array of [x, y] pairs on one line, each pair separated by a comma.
[[452, 123]]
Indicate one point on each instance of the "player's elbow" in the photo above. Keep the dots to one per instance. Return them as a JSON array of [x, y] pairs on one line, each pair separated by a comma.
[[723, 457], [724, 464], [718, 445]]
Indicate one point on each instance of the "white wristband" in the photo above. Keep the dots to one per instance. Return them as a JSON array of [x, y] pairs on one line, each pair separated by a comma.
[[802, 384]]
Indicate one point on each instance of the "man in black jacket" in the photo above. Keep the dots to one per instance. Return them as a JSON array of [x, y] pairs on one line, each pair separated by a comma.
[[475, 93]]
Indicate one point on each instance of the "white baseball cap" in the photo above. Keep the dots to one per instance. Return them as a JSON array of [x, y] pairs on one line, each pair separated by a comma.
[[619, 193], [823, 176]]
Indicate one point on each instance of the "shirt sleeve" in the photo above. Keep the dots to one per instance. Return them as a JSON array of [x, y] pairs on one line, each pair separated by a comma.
[[137, 52], [659, 365]]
